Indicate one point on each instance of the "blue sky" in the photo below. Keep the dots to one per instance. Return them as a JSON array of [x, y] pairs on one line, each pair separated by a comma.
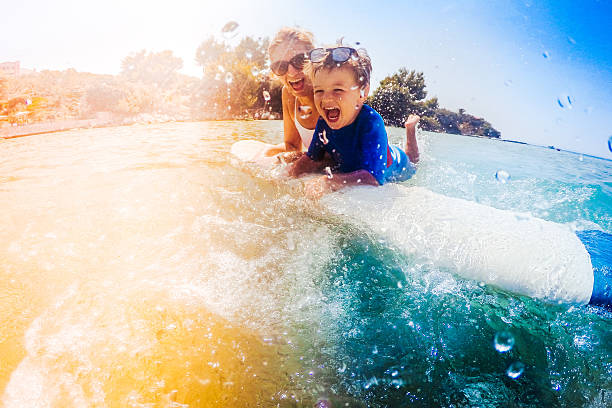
[[539, 71]]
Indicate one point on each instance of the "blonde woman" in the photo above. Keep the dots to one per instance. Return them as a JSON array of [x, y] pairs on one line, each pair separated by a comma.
[[288, 52]]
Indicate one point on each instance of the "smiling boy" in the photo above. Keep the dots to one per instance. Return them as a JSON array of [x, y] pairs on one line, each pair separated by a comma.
[[350, 137]]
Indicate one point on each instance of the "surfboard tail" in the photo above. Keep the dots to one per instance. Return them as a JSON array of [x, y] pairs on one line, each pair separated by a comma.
[[599, 246]]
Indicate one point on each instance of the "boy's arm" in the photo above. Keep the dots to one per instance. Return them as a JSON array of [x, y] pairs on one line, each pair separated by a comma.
[[322, 185], [305, 165]]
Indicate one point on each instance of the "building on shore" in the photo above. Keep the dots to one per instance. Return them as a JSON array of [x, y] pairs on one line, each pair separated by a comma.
[[10, 68]]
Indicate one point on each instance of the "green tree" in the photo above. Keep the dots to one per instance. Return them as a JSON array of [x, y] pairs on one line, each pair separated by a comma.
[[402, 94], [159, 68], [233, 78]]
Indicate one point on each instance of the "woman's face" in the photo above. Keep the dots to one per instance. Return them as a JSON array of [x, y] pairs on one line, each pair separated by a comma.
[[296, 82]]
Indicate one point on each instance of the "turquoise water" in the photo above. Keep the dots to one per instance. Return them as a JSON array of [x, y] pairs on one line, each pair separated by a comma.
[[119, 240]]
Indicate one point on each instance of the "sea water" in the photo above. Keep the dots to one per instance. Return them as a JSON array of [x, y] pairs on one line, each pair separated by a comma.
[[142, 267]]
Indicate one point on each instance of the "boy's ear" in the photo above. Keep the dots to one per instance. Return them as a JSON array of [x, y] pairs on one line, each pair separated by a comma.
[[364, 92]]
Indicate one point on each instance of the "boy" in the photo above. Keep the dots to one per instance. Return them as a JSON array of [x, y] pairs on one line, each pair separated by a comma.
[[350, 137]]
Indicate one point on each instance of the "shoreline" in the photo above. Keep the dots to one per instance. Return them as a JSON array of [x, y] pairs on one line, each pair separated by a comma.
[[14, 132]]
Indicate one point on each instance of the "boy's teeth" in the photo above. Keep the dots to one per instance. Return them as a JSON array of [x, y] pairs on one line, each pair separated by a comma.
[[332, 113]]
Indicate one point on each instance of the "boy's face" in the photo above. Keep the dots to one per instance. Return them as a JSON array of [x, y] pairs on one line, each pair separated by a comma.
[[338, 96]]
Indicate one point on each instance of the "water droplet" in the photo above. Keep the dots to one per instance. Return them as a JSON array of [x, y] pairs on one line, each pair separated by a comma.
[[380, 157], [329, 173], [356, 107], [515, 370], [248, 54], [502, 176], [229, 29], [323, 137], [254, 71], [375, 350], [229, 107], [358, 180], [565, 101], [362, 93], [229, 78], [508, 82], [372, 381], [360, 79], [342, 369], [571, 40], [266, 95], [217, 76], [400, 285], [323, 403], [354, 87], [504, 341], [545, 54], [221, 68], [610, 143]]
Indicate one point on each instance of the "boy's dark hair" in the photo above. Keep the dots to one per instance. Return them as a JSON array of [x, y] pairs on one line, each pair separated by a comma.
[[359, 61]]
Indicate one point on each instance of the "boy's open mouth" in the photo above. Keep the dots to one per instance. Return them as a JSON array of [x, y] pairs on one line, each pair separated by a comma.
[[297, 85], [332, 114]]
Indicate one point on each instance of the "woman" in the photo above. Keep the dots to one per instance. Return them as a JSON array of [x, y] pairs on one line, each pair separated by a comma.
[[288, 52]]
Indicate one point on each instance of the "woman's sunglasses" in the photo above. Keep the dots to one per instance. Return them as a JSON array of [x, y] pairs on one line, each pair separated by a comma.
[[338, 54], [280, 67]]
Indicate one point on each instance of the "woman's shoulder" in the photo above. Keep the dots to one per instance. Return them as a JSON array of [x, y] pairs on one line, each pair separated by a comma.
[[288, 100]]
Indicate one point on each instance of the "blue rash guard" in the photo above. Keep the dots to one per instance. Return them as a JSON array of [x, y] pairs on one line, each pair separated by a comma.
[[362, 145]]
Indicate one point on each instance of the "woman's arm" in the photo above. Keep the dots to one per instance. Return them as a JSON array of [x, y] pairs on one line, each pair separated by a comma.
[[292, 139]]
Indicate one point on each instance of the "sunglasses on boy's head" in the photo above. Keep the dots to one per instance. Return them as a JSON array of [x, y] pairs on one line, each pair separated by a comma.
[[338, 54], [281, 67]]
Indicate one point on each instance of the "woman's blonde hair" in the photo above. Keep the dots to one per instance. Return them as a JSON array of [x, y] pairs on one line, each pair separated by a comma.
[[292, 36]]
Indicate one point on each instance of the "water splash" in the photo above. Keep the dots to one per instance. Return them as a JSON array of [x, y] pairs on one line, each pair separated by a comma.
[[323, 137], [503, 342], [515, 370], [323, 403], [369, 383], [229, 30], [329, 173], [502, 176], [305, 111]]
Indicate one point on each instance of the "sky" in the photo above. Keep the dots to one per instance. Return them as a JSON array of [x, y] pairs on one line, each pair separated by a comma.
[[539, 71]]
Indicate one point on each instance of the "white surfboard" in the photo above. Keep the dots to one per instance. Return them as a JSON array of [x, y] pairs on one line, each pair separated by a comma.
[[253, 151], [509, 250]]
